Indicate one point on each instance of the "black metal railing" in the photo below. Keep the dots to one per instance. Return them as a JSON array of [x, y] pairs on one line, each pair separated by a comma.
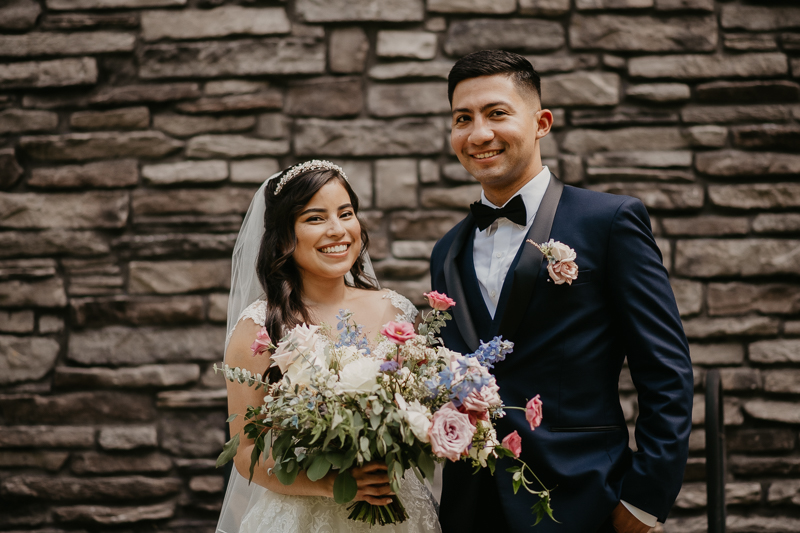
[[715, 453]]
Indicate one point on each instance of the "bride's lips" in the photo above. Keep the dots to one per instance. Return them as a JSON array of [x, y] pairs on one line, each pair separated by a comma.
[[486, 156], [335, 249]]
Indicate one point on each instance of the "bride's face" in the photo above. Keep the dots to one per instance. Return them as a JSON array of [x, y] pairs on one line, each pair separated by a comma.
[[328, 233]]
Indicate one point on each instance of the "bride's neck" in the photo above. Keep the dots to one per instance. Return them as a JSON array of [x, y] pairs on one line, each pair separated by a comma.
[[323, 292]]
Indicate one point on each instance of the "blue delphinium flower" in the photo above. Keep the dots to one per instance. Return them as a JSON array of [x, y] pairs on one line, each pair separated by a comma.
[[492, 352], [390, 366]]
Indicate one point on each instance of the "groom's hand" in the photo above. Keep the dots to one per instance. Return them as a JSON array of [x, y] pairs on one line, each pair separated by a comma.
[[625, 522]]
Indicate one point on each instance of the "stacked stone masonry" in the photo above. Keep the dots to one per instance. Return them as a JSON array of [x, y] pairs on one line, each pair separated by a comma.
[[133, 134]]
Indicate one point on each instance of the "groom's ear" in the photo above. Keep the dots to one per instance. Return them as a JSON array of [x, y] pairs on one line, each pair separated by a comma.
[[544, 122]]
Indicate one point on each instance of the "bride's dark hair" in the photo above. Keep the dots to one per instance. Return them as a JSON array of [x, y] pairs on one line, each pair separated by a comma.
[[277, 272]]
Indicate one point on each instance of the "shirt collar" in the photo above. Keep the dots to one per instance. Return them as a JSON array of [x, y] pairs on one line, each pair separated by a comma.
[[531, 193]]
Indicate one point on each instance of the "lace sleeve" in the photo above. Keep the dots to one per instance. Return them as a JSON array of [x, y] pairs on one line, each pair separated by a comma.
[[256, 311], [408, 312]]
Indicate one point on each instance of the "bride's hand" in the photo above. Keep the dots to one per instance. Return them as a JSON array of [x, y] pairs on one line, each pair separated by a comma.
[[373, 483]]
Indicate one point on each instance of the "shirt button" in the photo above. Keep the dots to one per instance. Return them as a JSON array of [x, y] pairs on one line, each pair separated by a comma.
[[494, 293], [499, 255]]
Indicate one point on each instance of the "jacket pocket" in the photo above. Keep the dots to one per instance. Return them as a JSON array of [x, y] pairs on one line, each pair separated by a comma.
[[583, 429]]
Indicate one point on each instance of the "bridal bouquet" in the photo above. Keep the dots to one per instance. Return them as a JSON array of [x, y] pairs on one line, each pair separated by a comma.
[[407, 402]]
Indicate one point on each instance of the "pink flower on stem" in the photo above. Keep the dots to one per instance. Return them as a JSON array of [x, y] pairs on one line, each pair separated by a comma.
[[262, 342], [450, 433], [563, 271], [399, 332], [513, 443], [439, 301], [533, 412]]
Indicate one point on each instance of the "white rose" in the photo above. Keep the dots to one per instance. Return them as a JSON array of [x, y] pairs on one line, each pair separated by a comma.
[[300, 339], [347, 355], [301, 371], [359, 376], [417, 416], [562, 252]]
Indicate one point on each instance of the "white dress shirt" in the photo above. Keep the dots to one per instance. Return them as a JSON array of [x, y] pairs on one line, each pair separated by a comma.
[[495, 250]]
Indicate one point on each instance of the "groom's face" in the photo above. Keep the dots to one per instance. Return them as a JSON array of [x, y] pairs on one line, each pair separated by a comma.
[[494, 131]]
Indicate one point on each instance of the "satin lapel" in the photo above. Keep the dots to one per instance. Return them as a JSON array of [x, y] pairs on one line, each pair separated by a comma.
[[530, 262], [455, 287]]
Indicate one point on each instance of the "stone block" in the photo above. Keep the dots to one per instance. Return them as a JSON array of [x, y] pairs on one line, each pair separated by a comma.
[[775, 351], [707, 136], [50, 242], [45, 293], [695, 67], [76, 5], [429, 171], [100, 463], [740, 379], [726, 257], [359, 175], [783, 492], [599, 174], [571, 169], [732, 411], [412, 249], [733, 163], [109, 145], [21, 120], [774, 136], [26, 358], [218, 307], [180, 438], [735, 114], [222, 201], [27, 268], [106, 515], [406, 44], [658, 196], [411, 69], [127, 437], [223, 87], [212, 23], [10, 169], [748, 92], [748, 326], [451, 198], [647, 159], [52, 73], [100, 488], [187, 126], [172, 277], [741, 298], [363, 137], [186, 172], [759, 18], [622, 116], [456, 172], [760, 195], [776, 223], [657, 138], [421, 98], [785, 381], [347, 50], [78, 408], [51, 324], [254, 171], [688, 295], [233, 146], [315, 11], [523, 35], [118, 345], [749, 42], [710, 225], [51, 461], [145, 376], [193, 399], [47, 43], [659, 92], [642, 33], [472, 6], [773, 411], [760, 440], [93, 312], [64, 211], [155, 92], [326, 97], [764, 466], [207, 484], [680, 5], [612, 4], [581, 89], [269, 99], [87, 21], [425, 225], [396, 183], [16, 322], [102, 174], [242, 57], [19, 15], [413, 288], [545, 8], [47, 437]]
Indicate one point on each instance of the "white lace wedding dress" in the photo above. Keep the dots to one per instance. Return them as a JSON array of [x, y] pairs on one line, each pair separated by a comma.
[[273, 512]]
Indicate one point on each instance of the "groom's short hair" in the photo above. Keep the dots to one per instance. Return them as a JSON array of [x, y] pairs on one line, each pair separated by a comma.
[[491, 62]]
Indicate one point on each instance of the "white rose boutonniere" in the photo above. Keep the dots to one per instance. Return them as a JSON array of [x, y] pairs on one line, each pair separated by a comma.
[[560, 261]]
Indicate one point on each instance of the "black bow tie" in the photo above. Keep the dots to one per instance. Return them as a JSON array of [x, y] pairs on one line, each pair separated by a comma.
[[514, 211]]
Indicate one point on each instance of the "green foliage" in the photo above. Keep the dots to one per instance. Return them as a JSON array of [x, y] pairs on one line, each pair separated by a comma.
[[319, 467], [228, 451], [344, 487]]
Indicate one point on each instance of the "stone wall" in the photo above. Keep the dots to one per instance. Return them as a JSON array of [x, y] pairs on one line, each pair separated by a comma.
[[133, 134]]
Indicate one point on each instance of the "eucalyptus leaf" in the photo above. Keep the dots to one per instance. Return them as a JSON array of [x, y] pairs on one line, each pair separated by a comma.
[[319, 468], [230, 418], [254, 461], [425, 463], [228, 451], [345, 487], [283, 474]]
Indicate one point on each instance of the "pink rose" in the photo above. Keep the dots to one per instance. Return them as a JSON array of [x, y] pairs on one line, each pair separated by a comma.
[[399, 332], [561, 252], [565, 271], [533, 412], [480, 401], [513, 443], [450, 433], [439, 301], [262, 342]]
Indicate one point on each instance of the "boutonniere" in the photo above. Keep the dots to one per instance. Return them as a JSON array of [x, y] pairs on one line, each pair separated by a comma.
[[560, 261]]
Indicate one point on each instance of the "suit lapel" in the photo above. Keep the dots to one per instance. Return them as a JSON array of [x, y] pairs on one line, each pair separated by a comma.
[[455, 286], [530, 262]]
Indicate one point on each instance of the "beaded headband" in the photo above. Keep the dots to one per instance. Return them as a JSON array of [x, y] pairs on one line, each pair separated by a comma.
[[314, 164]]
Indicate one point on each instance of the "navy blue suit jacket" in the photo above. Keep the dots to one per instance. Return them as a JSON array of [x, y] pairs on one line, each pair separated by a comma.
[[570, 343]]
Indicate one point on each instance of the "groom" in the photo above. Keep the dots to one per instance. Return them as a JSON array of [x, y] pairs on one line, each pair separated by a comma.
[[570, 340]]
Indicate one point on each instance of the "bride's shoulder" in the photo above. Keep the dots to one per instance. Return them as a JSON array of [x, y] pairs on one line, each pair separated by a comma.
[[253, 316]]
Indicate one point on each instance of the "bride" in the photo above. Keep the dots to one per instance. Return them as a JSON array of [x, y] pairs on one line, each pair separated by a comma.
[[301, 257]]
